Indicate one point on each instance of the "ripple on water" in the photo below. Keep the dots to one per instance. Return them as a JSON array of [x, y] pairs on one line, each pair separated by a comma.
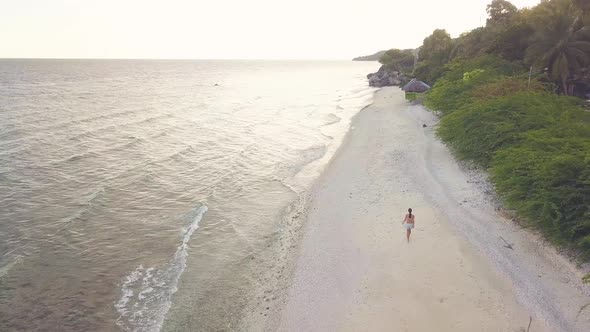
[[98, 159]]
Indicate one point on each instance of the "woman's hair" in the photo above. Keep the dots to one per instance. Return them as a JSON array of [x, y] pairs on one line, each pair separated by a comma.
[[410, 211]]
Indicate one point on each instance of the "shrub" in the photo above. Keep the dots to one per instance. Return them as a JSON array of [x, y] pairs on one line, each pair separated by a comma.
[[453, 90], [505, 86], [411, 96], [479, 129], [537, 146], [547, 180]]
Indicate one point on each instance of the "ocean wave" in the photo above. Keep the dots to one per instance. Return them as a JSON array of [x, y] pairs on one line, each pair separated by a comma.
[[7, 267], [146, 293], [331, 119]]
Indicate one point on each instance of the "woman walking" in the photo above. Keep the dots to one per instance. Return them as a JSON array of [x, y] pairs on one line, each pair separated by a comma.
[[408, 223]]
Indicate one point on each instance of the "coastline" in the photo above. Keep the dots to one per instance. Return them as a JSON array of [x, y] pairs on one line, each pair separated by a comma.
[[347, 266], [268, 299]]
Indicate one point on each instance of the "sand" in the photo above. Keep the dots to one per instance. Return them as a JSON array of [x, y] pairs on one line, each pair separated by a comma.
[[353, 270]]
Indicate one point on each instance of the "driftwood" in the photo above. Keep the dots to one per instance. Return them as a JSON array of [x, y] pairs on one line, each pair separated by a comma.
[[507, 245]]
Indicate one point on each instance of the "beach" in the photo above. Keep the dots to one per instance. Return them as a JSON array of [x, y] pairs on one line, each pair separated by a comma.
[[467, 267]]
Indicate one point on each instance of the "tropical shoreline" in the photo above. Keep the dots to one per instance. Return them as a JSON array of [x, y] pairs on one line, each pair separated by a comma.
[[322, 291]]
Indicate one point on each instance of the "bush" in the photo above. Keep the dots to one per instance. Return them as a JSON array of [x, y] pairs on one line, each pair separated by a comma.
[[547, 180], [505, 86], [453, 90], [411, 96], [537, 146], [478, 130]]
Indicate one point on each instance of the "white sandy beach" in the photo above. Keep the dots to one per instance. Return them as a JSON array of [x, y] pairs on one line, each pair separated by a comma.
[[354, 271]]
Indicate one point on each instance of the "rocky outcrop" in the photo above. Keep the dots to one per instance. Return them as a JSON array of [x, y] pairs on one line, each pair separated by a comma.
[[387, 77]]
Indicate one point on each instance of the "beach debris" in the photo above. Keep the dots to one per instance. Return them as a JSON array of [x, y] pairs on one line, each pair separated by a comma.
[[507, 245], [424, 125], [582, 309], [530, 321]]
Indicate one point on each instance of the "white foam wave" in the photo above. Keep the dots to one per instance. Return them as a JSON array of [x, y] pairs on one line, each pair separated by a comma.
[[146, 293]]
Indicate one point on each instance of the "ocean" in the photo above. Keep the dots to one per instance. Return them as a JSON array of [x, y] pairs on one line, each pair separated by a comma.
[[139, 195]]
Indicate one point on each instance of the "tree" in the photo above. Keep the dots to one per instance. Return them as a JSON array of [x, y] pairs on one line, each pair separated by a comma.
[[471, 44], [583, 5], [399, 60], [434, 53], [562, 46], [500, 12], [511, 41], [436, 48]]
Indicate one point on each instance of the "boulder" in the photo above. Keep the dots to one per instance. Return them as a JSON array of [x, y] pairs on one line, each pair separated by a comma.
[[387, 77]]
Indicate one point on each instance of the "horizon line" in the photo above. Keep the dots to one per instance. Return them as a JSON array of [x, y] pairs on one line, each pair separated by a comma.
[[177, 59]]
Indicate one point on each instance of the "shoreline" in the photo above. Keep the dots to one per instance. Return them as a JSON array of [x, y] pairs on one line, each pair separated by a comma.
[[270, 297], [359, 297]]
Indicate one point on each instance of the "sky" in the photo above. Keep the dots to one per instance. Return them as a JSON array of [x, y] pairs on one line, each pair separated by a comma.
[[227, 29]]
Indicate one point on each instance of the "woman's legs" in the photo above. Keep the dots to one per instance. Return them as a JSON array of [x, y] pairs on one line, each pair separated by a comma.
[[408, 232]]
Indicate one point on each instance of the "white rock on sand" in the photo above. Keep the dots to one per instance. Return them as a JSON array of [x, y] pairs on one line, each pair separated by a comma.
[[355, 271]]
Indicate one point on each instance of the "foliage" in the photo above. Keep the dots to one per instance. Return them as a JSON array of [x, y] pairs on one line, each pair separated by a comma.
[[505, 86], [399, 60], [536, 144], [372, 57], [583, 5], [473, 43], [453, 91], [500, 12], [434, 53], [494, 87], [511, 41], [547, 179], [428, 72], [411, 96], [436, 47], [473, 75], [480, 128], [562, 45], [554, 35]]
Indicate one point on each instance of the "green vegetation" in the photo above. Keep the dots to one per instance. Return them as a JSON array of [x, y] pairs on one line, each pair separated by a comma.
[[552, 38], [505, 92], [535, 143], [398, 60], [372, 57], [412, 96]]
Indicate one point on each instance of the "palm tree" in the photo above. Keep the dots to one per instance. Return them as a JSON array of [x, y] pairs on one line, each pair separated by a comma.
[[563, 47], [583, 5]]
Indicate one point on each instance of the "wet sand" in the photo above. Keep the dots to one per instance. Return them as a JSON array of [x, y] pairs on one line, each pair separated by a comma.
[[353, 270]]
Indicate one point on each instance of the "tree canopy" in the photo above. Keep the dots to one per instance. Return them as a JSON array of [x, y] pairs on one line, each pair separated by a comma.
[[552, 37], [399, 60], [500, 12]]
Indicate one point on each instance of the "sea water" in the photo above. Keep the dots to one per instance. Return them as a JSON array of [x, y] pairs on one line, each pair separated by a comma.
[[136, 191]]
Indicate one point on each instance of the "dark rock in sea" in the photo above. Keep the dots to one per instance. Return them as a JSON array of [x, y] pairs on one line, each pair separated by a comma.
[[424, 125], [387, 77]]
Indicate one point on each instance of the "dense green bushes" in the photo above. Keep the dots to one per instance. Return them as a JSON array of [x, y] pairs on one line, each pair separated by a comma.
[[536, 144], [547, 179], [460, 77], [551, 38]]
